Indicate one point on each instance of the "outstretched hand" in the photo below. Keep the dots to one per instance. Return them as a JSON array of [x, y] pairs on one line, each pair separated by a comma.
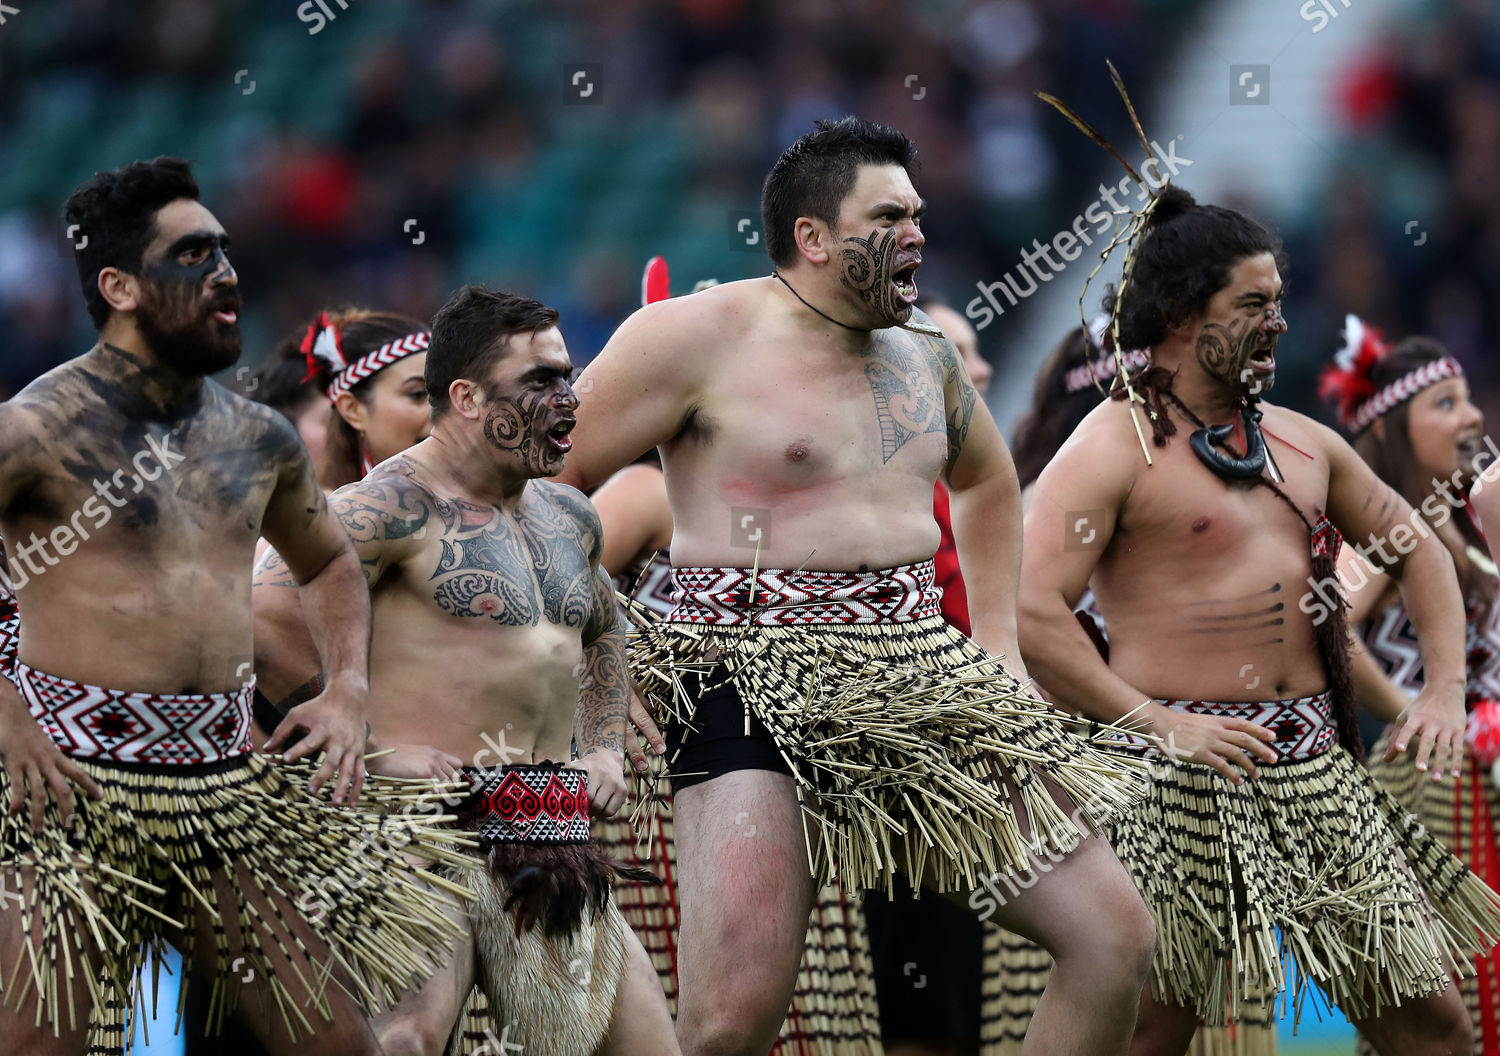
[[1434, 723], [333, 721], [34, 764]]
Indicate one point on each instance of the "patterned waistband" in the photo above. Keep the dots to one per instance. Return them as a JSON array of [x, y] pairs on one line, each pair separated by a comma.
[[165, 729], [773, 597], [1304, 726], [531, 804], [10, 633]]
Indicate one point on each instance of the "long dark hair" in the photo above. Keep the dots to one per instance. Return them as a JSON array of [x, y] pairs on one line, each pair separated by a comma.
[[360, 332]]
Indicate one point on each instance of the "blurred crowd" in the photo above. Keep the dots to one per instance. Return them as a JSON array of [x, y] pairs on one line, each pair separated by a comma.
[[399, 148], [458, 115]]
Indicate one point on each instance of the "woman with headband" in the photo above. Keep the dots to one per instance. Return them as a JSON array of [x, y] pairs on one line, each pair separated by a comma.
[[1408, 407]]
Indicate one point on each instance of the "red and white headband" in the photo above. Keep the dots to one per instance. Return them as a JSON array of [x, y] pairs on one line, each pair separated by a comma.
[[324, 349], [1346, 382], [1105, 367]]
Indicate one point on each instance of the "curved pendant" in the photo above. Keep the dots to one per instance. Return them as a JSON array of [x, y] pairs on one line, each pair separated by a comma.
[[1207, 441]]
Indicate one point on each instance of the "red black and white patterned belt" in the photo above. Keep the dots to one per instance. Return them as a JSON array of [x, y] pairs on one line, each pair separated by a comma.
[[10, 632], [1304, 726], [778, 597], [530, 803], [111, 725]]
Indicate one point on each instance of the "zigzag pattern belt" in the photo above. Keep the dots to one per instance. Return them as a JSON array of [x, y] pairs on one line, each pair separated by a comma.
[[1303, 726], [535, 804], [111, 725], [777, 597]]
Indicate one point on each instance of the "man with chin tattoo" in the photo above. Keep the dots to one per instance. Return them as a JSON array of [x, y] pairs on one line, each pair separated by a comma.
[[125, 710], [497, 646], [821, 716], [1261, 818]]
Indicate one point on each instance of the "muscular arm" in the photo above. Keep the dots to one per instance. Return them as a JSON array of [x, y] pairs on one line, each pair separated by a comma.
[[1365, 509], [638, 391], [1088, 475], [985, 510], [312, 545], [635, 514], [604, 688]]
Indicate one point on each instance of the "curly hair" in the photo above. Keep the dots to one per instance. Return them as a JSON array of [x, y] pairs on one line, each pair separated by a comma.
[[116, 212], [1183, 258]]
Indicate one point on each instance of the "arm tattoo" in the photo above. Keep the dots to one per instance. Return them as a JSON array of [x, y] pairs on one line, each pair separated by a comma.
[[378, 512], [271, 571], [908, 402], [604, 689]]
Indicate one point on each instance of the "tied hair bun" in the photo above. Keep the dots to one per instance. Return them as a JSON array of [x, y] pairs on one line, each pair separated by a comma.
[[1171, 202]]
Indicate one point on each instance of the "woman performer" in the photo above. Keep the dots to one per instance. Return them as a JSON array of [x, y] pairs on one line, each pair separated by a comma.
[[1409, 409]]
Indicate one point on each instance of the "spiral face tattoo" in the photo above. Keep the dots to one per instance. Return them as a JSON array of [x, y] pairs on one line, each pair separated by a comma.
[[868, 267], [512, 423], [1225, 351]]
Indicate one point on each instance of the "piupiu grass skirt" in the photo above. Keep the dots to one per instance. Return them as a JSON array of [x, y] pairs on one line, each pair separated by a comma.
[[1367, 899], [163, 830], [911, 747]]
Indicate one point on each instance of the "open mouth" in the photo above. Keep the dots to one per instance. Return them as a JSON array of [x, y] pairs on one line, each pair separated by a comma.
[[1468, 446], [227, 313], [561, 434], [1263, 360], [904, 279]]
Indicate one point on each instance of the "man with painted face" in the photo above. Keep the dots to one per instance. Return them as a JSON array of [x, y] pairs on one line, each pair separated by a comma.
[[822, 717], [1200, 557], [132, 490], [496, 646]]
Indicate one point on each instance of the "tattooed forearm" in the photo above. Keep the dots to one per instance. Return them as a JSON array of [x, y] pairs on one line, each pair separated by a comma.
[[603, 695], [271, 571]]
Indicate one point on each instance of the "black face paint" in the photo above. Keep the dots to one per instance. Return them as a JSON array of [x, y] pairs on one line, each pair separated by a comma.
[[176, 310], [868, 266]]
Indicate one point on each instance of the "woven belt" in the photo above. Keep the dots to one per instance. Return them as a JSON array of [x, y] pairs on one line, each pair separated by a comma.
[[776, 597], [531, 804], [169, 729], [1303, 726]]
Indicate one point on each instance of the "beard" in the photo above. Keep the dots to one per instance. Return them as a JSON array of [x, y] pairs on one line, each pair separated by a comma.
[[181, 331], [516, 426]]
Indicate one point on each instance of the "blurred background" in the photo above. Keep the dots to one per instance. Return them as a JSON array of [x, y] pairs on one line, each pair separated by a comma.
[[381, 153]]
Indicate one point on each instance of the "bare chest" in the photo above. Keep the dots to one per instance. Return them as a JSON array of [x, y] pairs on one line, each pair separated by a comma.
[[514, 571]]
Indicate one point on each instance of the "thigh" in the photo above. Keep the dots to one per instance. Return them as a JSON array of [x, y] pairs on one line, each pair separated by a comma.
[[57, 943], [1436, 1023], [293, 990], [744, 884]]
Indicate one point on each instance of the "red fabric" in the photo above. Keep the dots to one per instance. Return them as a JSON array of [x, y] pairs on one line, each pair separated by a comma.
[[955, 603]]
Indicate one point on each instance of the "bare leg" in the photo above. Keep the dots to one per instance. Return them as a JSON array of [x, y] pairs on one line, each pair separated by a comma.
[[1436, 1025], [424, 1020], [640, 1024], [1088, 915], [18, 1027], [1163, 1028], [746, 893], [344, 1032]]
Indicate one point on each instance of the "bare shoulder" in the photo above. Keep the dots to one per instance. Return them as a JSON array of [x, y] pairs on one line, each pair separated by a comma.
[[1108, 441], [392, 502], [571, 504], [1303, 432]]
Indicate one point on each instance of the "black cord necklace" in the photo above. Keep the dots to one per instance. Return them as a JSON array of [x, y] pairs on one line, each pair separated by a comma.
[[825, 315]]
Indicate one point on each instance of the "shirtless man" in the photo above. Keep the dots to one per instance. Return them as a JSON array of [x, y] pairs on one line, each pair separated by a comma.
[[132, 490], [802, 429], [1205, 553], [497, 641]]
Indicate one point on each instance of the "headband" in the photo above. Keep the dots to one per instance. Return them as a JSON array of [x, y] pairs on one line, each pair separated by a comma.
[[1346, 382], [1103, 369], [323, 347]]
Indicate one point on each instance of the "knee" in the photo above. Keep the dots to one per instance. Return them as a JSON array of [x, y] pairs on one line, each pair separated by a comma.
[[1452, 1025], [1120, 944], [728, 1030], [405, 1038]]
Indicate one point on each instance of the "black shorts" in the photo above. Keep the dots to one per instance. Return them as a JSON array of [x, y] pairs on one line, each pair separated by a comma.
[[717, 744]]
